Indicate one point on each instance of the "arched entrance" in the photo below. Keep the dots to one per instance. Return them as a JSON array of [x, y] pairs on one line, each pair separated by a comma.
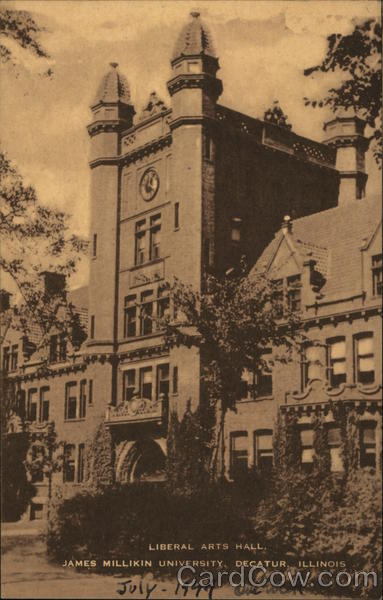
[[143, 460]]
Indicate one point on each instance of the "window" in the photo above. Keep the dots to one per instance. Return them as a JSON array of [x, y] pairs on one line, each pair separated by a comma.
[[263, 383], [176, 215], [278, 297], [130, 316], [377, 278], [90, 395], [129, 384], [82, 411], [368, 444], [81, 463], [238, 454], [71, 400], [175, 380], [334, 440], [92, 327], [69, 463], [155, 237], [337, 361], [32, 405], [146, 312], [94, 247], [57, 348], [162, 381], [236, 229], [14, 357], [37, 511], [364, 358], [307, 444], [44, 404], [6, 359], [294, 293], [208, 147], [263, 447], [311, 364], [140, 243], [146, 383], [162, 302]]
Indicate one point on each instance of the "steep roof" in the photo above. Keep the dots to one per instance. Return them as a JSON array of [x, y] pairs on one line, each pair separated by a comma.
[[195, 38], [114, 87], [335, 238]]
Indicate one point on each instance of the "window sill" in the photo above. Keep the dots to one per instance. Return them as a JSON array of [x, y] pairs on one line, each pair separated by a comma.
[[147, 263], [145, 336], [77, 420], [257, 399]]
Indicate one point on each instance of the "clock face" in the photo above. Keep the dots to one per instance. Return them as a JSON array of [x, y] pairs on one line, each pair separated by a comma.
[[150, 182]]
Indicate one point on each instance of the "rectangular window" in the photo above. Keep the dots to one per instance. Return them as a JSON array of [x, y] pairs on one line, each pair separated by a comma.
[[6, 359], [44, 404], [176, 215], [14, 357], [162, 303], [62, 347], [294, 293], [146, 383], [238, 454], [140, 239], [81, 463], [130, 316], [82, 411], [334, 440], [90, 393], [368, 444], [53, 349], [37, 511], [155, 237], [175, 380], [277, 296], [208, 147], [69, 463], [307, 444], [32, 405], [146, 312], [337, 361], [263, 383], [129, 383], [71, 400], [377, 277], [92, 327], [94, 247], [236, 229], [311, 364], [364, 358], [162, 381], [263, 446]]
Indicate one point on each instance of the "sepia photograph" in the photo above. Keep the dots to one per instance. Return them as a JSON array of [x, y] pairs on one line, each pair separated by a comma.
[[191, 299]]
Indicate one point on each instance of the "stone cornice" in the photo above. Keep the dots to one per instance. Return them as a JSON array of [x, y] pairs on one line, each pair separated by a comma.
[[348, 140], [194, 120], [147, 149], [203, 81], [106, 126], [333, 319], [105, 160]]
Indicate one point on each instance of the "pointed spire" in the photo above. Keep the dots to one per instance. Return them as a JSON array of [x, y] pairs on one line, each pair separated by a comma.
[[194, 39], [114, 87]]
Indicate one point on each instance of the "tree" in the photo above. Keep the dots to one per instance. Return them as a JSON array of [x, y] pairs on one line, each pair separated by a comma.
[[234, 322], [18, 26], [358, 59]]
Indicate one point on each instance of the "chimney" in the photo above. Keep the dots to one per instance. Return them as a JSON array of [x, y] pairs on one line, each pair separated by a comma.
[[4, 300], [54, 283], [345, 133]]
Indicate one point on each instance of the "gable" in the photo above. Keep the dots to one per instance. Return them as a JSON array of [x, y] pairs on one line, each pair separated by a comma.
[[286, 261]]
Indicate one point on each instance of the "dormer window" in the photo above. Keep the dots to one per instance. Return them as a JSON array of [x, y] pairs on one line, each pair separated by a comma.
[[57, 348], [294, 293], [377, 275]]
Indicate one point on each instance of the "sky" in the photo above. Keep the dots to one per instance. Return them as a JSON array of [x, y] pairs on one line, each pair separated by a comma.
[[263, 48]]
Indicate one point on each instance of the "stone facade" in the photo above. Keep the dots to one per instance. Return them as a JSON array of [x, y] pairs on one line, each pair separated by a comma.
[[177, 192]]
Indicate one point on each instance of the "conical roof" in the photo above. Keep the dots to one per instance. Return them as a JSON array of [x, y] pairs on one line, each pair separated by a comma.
[[114, 87], [195, 38]]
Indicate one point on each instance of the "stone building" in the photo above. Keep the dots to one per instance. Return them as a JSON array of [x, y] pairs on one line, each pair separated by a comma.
[[178, 190]]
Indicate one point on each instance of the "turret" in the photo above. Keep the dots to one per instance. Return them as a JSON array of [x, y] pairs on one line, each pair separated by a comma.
[[113, 113], [345, 133]]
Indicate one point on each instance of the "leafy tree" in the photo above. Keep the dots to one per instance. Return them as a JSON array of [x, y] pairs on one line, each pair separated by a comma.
[[358, 59], [44, 456], [18, 26], [234, 322], [35, 238]]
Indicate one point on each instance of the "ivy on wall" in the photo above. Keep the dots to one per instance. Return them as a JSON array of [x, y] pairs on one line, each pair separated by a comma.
[[100, 458]]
